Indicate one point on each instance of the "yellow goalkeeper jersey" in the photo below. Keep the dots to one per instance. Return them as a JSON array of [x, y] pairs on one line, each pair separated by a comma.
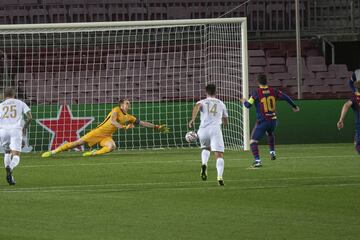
[[106, 127]]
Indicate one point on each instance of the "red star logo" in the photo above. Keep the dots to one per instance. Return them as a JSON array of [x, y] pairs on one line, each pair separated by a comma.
[[64, 128]]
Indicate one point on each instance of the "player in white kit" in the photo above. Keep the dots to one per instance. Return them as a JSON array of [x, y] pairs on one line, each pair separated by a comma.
[[213, 113], [15, 115]]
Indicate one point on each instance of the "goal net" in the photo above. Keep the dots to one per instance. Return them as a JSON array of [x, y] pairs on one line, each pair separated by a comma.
[[72, 75]]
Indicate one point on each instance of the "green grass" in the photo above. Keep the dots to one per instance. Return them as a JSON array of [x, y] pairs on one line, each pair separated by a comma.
[[309, 192]]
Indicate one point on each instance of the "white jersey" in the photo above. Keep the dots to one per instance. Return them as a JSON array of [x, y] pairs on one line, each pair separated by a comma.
[[356, 75], [12, 114], [212, 111]]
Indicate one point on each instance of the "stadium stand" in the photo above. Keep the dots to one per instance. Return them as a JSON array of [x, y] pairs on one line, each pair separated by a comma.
[[263, 15], [58, 14], [85, 73], [277, 59]]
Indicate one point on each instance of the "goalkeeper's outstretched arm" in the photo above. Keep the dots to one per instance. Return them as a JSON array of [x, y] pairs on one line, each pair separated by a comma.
[[161, 128]]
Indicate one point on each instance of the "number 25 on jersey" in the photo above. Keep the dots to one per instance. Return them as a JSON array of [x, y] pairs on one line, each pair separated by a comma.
[[9, 111]]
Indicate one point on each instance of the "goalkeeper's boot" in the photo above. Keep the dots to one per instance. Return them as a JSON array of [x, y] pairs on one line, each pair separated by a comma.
[[47, 154], [9, 177], [257, 163], [90, 153], [220, 181], [203, 172], [272, 155]]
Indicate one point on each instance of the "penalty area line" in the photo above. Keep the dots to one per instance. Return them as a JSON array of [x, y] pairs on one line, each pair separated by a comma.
[[127, 186], [172, 161], [157, 189]]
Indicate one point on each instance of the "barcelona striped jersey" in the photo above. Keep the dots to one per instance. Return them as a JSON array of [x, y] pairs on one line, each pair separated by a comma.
[[356, 108], [264, 98]]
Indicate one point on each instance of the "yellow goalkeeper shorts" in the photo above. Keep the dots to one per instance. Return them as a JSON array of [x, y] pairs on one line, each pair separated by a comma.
[[95, 136]]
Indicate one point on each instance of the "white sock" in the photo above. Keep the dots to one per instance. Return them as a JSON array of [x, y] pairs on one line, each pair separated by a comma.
[[14, 162], [205, 154], [220, 167], [7, 159]]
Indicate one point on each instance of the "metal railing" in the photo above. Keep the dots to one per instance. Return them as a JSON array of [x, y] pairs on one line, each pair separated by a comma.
[[264, 16], [316, 16]]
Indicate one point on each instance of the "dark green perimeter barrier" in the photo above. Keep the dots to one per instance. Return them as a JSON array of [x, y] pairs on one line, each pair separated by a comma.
[[315, 123]]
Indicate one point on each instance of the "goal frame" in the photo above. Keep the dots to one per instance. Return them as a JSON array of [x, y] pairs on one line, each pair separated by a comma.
[[24, 28]]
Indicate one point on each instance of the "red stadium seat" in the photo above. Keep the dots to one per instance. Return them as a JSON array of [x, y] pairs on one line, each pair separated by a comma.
[[313, 82], [275, 69], [325, 75], [304, 89], [341, 88], [256, 69], [315, 60], [290, 82], [282, 76], [335, 81], [270, 45], [306, 73], [317, 68], [340, 70], [275, 61], [256, 53], [275, 53], [293, 61], [257, 61]]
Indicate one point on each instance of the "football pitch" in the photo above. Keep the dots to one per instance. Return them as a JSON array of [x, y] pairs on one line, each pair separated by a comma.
[[309, 192]]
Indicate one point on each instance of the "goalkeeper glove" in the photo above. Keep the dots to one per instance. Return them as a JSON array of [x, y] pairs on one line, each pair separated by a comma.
[[126, 127], [162, 128]]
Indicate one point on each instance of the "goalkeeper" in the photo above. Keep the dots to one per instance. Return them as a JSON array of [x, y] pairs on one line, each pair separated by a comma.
[[118, 118]]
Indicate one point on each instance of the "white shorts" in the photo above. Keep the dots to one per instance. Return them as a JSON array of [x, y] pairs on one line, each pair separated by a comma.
[[211, 137], [11, 138]]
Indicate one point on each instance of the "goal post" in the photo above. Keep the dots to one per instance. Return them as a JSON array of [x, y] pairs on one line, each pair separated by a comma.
[[73, 74]]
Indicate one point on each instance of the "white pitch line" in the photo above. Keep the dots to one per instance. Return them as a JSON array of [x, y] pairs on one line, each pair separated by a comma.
[[122, 152], [172, 161], [104, 186], [39, 190], [186, 149]]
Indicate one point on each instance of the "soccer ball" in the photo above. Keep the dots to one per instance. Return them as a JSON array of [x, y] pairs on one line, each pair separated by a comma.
[[191, 137]]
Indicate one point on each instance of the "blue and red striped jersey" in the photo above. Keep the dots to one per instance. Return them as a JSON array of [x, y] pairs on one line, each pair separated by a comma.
[[265, 99], [355, 99]]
